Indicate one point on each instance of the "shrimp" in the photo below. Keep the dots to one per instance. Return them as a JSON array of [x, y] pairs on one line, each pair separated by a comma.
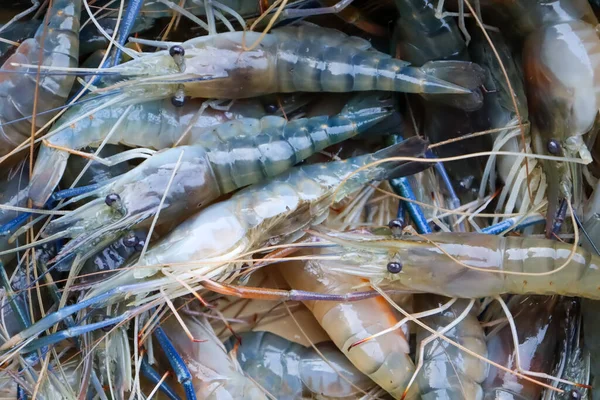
[[317, 60], [537, 320], [293, 371], [561, 82], [447, 372], [383, 359], [60, 48], [275, 211], [227, 158], [215, 375], [422, 264], [154, 124], [573, 362]]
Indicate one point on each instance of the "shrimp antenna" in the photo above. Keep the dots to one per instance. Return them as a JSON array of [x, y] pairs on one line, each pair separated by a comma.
[[586, 234], [14, 121], [67, 71]]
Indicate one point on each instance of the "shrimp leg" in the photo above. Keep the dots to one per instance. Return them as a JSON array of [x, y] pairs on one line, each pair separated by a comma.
[[131, 15], [177, 363], [151, 374], [303, 13]]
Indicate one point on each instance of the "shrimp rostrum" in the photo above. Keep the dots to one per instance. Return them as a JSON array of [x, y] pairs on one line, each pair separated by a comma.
[[237, 65], [471, 265]]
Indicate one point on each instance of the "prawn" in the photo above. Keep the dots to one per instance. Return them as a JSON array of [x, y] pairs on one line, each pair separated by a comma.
[[271, 212], [447, 372], [470, 265], [294, 371], [384, 359], [154, 125], [215, 375], [231, 156], [562, 108], [60, 48], [537, 318], [317, 60]]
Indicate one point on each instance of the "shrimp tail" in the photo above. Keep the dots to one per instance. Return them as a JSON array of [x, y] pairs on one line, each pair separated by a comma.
[[465, 74], [411, 147]]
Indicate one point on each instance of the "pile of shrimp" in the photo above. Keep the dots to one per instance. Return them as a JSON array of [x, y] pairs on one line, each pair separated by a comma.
[[299, 199]]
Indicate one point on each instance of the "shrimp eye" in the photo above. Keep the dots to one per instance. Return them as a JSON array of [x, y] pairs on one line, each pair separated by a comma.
[[271, 108], [176, 51], [554, 147], [130, 241], [177, 101], [139, 246], [394, 267], [396, 224], [574, 394], [112, 199]]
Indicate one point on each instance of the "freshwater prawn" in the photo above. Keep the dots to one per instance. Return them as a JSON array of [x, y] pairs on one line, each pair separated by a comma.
[[221, 160], [58, 42], [470, 265], [275, 211], [560, 65]]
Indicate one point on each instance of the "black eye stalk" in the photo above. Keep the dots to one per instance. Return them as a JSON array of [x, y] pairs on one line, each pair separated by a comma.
[[554, 147], [394, 267], [178, 54], [130, 241], [113, 200]]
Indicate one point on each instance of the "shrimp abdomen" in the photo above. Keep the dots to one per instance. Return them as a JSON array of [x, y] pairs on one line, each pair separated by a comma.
[[272, 145]]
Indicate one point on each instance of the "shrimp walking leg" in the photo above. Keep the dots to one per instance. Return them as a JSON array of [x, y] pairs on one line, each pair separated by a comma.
[[177, 363]]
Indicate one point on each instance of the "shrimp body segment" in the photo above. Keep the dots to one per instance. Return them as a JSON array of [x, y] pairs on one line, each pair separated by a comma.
[[426, 267], [60, 48], [384, 359], [294, 371], [218, 66], [449, 373]]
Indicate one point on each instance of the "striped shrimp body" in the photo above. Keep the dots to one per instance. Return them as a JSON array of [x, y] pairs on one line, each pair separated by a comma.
[[536, 319], [447, 372], [155, 124], [217, 66], [425, 268], [384, 359], [60, 48], [232, 156], [270, 212], [215, 375], [293, 371]]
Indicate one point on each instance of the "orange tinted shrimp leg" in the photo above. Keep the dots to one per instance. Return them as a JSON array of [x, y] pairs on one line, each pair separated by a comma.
[[259, 293]]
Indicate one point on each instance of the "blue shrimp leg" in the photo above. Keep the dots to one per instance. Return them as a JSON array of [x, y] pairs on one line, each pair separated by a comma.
[[73, 332], [402, 187], [181, 370], [151, 374], [443, 174], [133, 10], [500, 227]]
